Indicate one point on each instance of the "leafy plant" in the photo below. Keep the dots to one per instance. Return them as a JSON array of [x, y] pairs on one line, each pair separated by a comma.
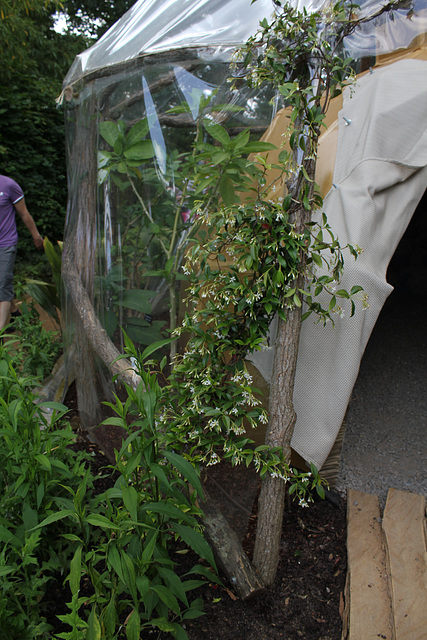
[[48, 294], [34, 350], [125, 543], [145, 521], [37, 464]]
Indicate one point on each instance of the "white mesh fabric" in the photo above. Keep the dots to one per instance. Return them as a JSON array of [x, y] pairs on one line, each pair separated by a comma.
[[380, 176]]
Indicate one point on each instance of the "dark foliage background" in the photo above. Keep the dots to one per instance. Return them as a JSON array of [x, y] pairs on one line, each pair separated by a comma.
[[35, 59]]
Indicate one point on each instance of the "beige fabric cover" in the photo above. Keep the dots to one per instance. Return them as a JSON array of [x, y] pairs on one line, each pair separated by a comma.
[[380, 176]]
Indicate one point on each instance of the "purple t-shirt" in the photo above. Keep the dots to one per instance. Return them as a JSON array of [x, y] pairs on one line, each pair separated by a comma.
[[10, 193]]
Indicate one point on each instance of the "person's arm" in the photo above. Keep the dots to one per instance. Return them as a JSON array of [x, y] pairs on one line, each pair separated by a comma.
[[23, 213]]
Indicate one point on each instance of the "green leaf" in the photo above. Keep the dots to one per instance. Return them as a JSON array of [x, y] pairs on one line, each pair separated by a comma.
[[207, 573], [60, 515], [136, 299], [320, 491], [154, 347], [205, 183], [113, 557], [29, 516], [167, 509], [173, 583], [97, 520], [143, 150], [226, 189], [129, 574], [356, 289], [147, 554], [149, 399], [342, 293], [195, 541], [143, 586], [118, 146], [179, 632], [182, 108], [109, 131], [186, 469], [55, 260], [162, 624], [130, 499], [133, 626], [220, 156], [137, 132], [46, 295], [142, 333], [258, 147], [5, 534], [192, 613], [94, 628], [58, 464], [75, 570], [72, 537], [56, 406], [283, 156], [40, 493], [217, 132], [167, 597], [158, 471], [114, 421], [109, 618], [317, 259]]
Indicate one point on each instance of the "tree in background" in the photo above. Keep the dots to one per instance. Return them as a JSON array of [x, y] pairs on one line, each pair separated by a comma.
[[35, 59], [93, 17]]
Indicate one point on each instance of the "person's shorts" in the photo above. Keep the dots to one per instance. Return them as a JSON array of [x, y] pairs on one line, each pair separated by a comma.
[[7, 262]]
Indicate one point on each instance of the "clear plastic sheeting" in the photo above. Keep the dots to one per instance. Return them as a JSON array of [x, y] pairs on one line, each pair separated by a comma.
[[153, 26], [131, 205], [390, 31]]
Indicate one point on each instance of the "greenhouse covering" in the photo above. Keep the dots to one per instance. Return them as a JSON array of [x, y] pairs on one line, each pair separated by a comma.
[[132, 104]]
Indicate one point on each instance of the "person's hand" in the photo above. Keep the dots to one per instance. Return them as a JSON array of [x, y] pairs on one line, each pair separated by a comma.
[[38, 241]]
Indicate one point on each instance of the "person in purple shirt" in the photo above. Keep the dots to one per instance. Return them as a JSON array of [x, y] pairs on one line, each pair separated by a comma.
[[11, 202]]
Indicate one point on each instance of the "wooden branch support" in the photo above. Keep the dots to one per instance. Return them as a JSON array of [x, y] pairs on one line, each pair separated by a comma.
[[95, 332], [229, 554]]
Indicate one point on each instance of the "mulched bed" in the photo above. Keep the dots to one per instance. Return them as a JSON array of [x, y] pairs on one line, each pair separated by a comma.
[[306, 599]]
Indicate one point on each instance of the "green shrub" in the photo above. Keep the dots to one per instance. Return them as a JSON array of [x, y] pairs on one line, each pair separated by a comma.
[[37, 466], [34, 350], [149, 513], [119, 544]]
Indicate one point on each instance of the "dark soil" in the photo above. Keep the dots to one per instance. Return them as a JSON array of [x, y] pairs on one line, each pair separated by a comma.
[[306, 599]]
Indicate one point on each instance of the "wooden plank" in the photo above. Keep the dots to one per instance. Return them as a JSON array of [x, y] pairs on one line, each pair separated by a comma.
[[403, 525], [369, 607]]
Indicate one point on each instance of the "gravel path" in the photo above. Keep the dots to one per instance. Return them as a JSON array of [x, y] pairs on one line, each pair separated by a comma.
[[385, 443]]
